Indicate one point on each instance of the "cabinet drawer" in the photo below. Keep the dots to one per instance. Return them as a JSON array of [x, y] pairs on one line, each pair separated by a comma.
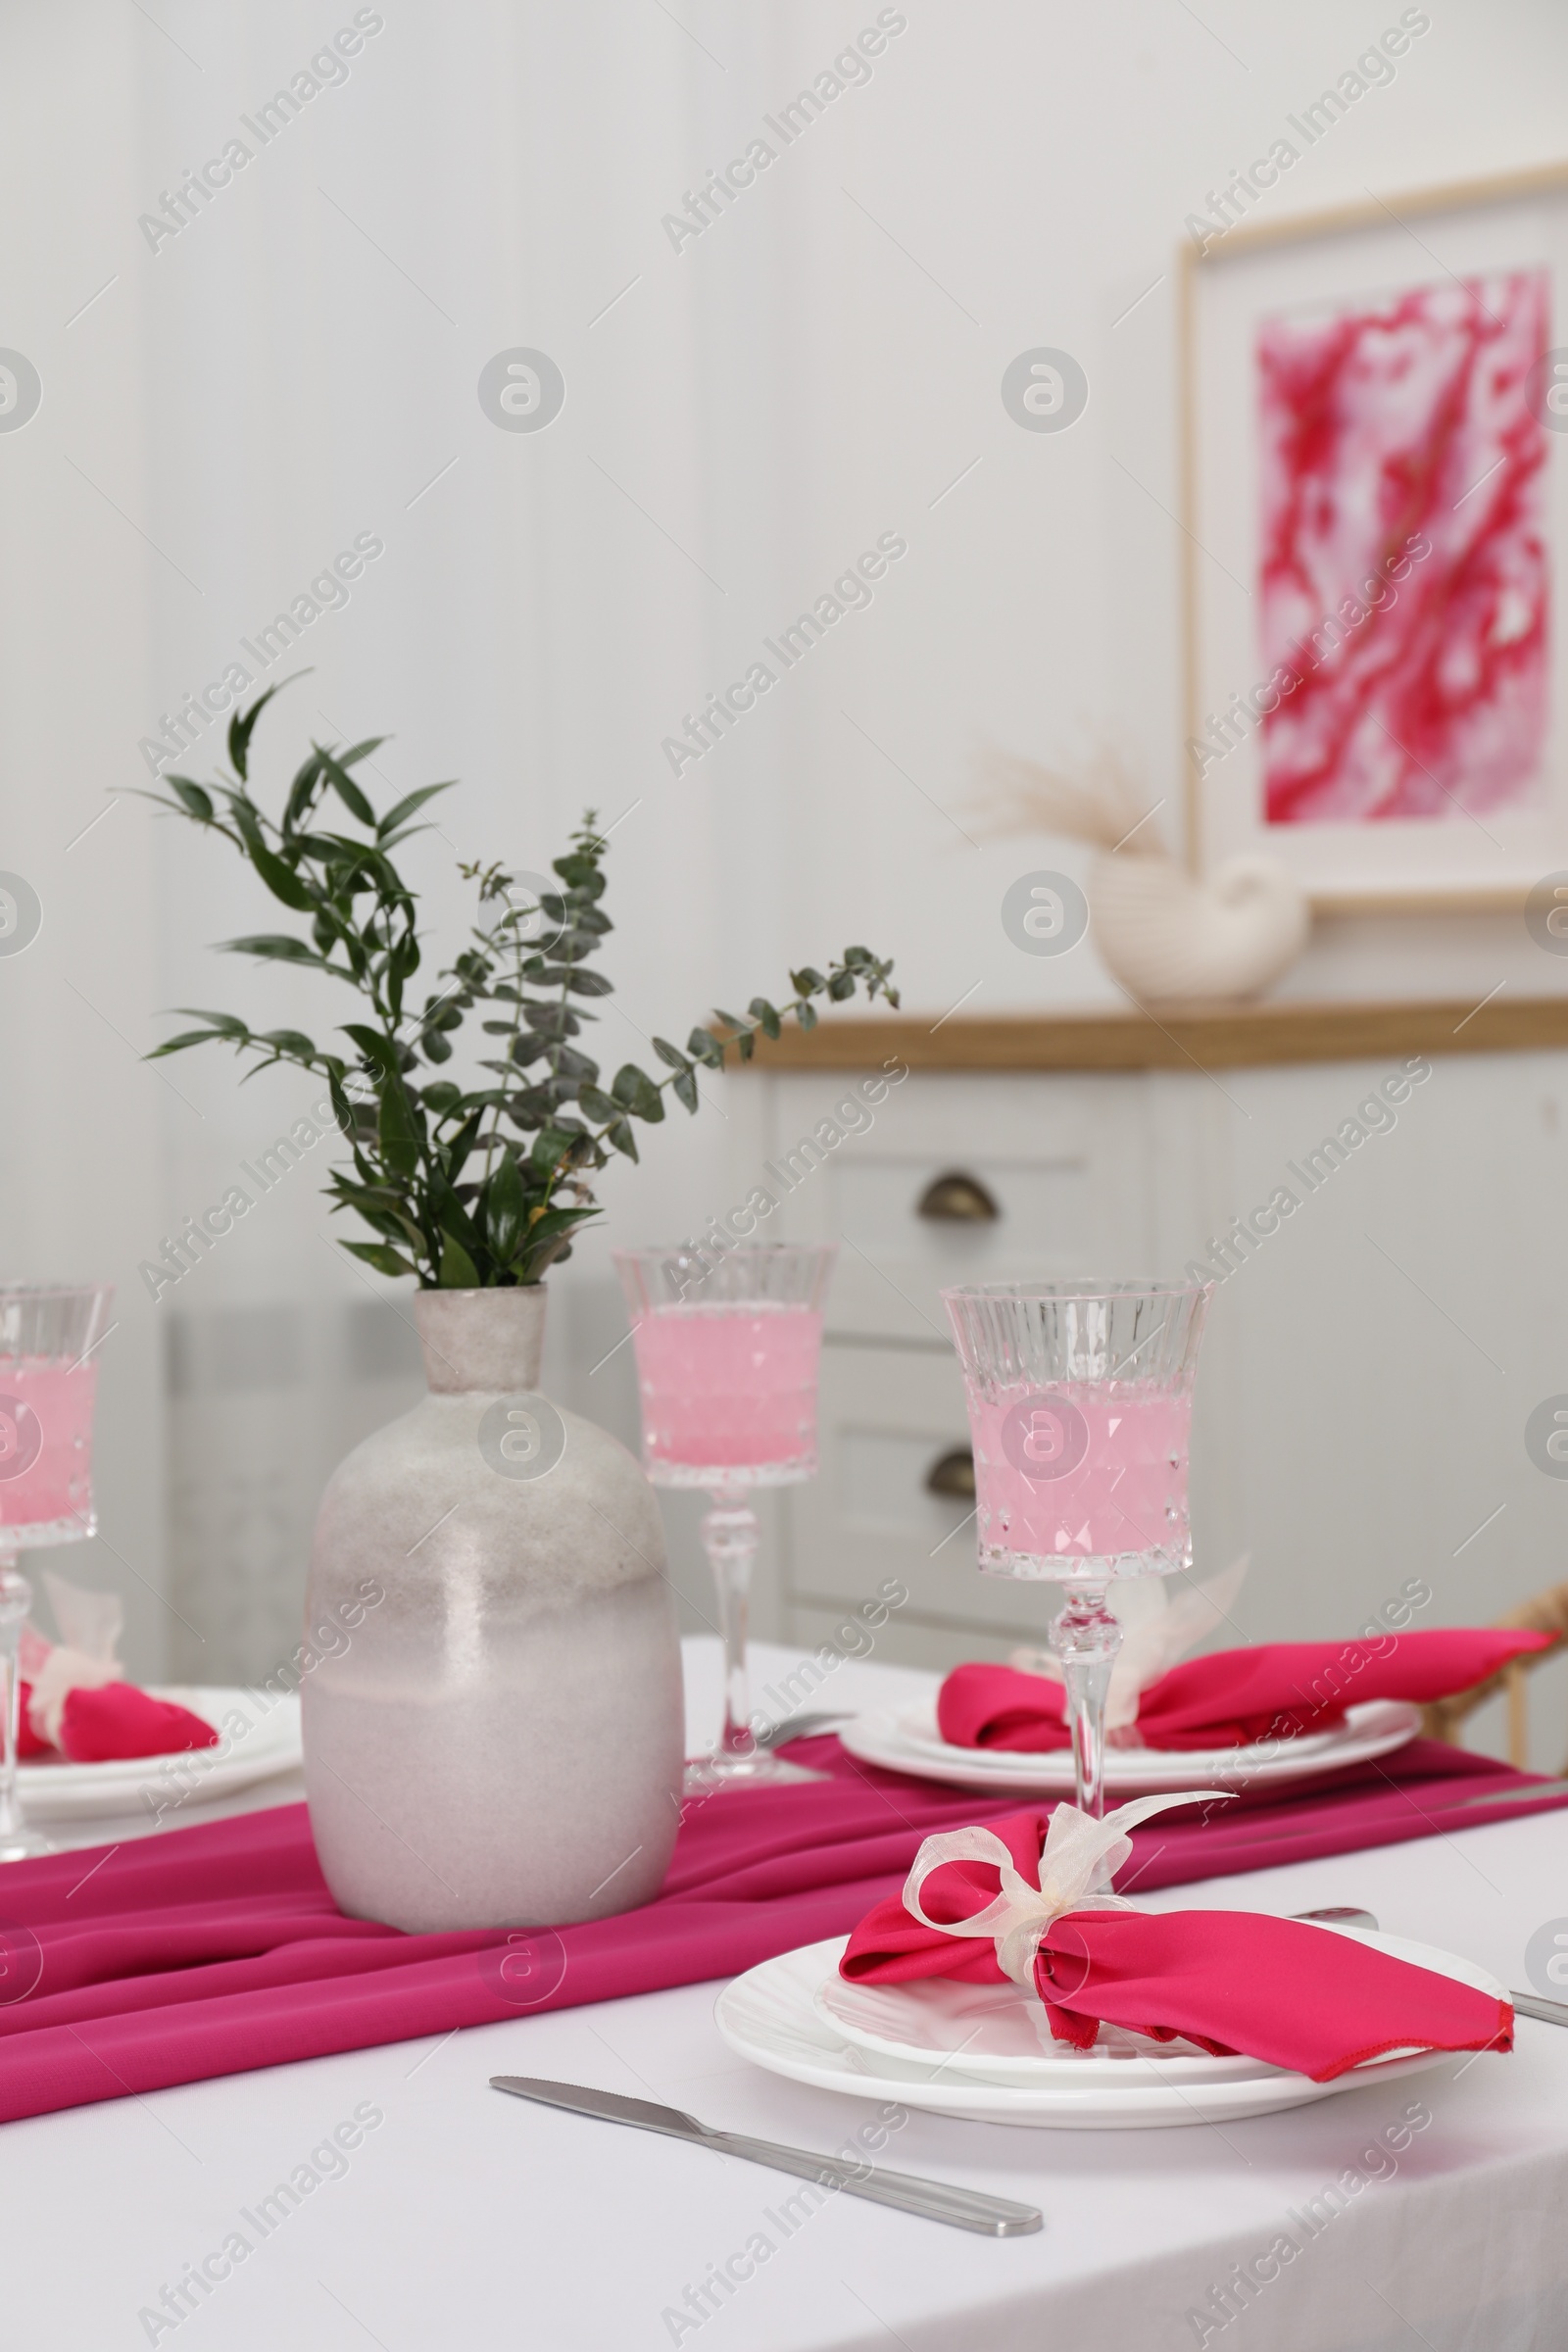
[[887, 1415], [1062, 1164]]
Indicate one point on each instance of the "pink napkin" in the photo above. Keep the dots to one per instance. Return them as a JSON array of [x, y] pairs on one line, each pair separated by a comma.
[[1235, 1697], [74, 1700], [1232, 1981], [113, 1721]]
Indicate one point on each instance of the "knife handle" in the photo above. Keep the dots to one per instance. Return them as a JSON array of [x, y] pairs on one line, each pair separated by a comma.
[[933, 2200], [1550, 2012]]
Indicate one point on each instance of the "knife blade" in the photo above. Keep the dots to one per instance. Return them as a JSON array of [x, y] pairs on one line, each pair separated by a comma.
[[933, 2200], [1554, 1793], [1549, 2013]]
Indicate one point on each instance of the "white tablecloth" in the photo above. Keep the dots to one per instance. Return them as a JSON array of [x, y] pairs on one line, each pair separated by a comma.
[[464, 2219]]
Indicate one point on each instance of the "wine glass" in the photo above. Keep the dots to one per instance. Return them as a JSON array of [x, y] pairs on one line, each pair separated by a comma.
[[727, 1355], [47, 1381], [1080, 1403]]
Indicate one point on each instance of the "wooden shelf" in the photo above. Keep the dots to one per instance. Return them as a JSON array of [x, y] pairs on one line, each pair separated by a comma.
[[1181, 1038]]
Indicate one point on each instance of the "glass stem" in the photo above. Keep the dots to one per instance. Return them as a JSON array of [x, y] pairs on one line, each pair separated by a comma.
[[730, 1534], [1085, 1637], [16, 1599]]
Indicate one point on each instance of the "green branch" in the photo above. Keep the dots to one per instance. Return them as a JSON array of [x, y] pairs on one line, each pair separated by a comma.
[[450, 1197]]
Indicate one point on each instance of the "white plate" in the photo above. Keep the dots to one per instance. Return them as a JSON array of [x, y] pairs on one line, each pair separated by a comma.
[[988, 2033], [144, 1783], [918, 1727], [773, 2017], [1001, 2034], [906, 1739]]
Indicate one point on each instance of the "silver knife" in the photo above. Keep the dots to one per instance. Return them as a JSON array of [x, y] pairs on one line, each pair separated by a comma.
[[965, 2208]]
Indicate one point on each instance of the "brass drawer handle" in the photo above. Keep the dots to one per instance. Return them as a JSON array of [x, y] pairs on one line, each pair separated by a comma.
[[952, 1475], [956, 1199]]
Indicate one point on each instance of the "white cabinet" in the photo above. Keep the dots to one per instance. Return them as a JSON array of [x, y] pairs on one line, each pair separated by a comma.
[[1368, 1370], [1064, 1160], [1059, 1172], [888, 1415]]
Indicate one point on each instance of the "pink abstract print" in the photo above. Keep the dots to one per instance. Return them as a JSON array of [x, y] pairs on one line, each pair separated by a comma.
[[1404, 573]]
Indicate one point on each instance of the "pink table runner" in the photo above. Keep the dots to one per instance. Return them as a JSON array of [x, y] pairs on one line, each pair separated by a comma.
[[212, 1950]]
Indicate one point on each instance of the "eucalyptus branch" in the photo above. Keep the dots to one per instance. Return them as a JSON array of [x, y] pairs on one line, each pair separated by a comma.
[[412, 1133]]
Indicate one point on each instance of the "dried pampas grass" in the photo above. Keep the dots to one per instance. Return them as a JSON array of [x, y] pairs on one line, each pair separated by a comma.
[[1102, 805]]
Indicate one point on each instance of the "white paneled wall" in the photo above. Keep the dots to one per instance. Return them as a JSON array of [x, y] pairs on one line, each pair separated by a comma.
[[298, 366]]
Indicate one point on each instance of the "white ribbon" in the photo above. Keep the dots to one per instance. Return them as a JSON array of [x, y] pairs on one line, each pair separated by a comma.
[[1081, 1857]]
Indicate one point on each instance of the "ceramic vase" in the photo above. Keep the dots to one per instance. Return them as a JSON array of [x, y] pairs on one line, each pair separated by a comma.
[[496, 1738], [1169, 939]]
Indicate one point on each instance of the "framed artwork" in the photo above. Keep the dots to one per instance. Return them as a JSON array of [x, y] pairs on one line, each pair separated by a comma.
[[1376, 517]]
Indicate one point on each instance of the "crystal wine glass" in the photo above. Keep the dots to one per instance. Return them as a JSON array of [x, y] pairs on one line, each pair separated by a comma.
[[47, 1380], [1080, 1402], [727, 1355]]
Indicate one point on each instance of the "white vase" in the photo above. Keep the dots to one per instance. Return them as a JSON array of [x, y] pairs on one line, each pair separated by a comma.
[[499, 1739], [1169, 939]]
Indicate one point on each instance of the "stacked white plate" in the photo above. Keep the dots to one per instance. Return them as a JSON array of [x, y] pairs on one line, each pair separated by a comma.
[[984, 2052], [908, 1739], [166, 1787]]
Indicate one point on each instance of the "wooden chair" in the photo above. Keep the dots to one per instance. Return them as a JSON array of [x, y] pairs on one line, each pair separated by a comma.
[[1545, 1613]]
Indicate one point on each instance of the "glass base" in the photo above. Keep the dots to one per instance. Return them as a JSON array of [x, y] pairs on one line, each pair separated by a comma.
[[708, 1776], [25, 1845]]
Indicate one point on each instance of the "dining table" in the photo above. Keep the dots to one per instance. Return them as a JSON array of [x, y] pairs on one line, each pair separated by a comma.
[[444, 2215]]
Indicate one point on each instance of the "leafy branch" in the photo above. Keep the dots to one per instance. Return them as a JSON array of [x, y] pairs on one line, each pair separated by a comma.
[[437, 1174]]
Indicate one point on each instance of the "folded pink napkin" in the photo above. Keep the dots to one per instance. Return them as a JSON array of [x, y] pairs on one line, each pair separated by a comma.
[[1030, 1901], [1233, 1697], [113, 1720]]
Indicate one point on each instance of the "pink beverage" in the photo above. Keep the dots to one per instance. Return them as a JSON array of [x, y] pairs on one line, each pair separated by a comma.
[[1084, 1480], [728, 1387], [46, 1447]]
